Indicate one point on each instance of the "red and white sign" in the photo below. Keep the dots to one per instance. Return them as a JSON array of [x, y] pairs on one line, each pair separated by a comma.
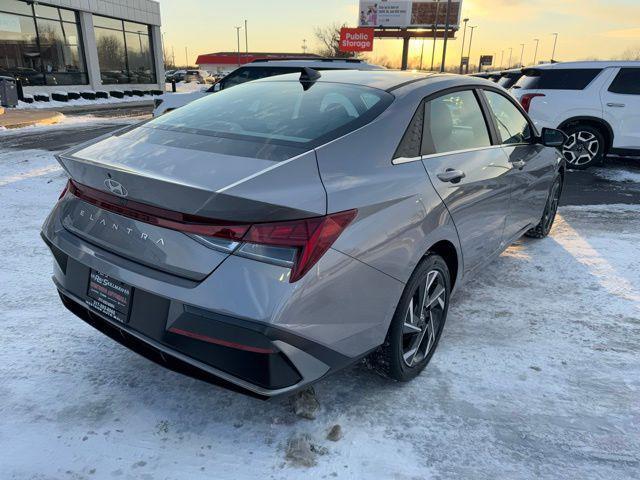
[[356, 39]]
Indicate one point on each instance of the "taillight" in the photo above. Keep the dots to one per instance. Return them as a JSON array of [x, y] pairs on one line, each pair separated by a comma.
[[525, 100], [300, 242], [296, 244]]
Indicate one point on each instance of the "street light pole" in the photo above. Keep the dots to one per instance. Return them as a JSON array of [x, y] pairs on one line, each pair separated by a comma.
[[555, 42], [510, 55], [435, 28], [464, 36], [535, 55], [446, 36], [238, 34], [304, 46], [246, 38], [421, 53], [522, 54], [470, 42], [502, 59]]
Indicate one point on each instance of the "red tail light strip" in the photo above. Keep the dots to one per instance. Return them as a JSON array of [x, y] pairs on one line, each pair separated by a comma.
[[161, 217], [526, 99], [311, 237], [217, 341]]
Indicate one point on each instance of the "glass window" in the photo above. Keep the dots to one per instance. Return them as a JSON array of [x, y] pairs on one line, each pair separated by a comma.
[[627, 82], [124, 57], [13, 6], [68, 15], [508, 80], [248, 74], [557, 78], [281, 113], [47, 55], [411, 140], [512, 124], [454, 122], [42, 11]]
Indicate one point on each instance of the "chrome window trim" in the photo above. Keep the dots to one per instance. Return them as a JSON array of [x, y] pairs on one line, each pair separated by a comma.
[[401, 160]]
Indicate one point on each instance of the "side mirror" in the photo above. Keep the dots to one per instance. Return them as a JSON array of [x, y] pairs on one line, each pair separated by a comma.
[[553, 138]]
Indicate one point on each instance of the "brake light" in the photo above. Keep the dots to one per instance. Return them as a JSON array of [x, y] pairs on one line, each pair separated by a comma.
[[310, 237], [525, 100]]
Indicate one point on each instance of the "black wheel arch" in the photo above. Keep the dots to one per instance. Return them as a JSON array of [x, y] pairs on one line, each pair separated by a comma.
[[595, 122], [449, 254]]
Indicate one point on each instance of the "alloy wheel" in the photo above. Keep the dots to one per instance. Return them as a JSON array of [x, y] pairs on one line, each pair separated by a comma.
[[581, 148], [423, 318]]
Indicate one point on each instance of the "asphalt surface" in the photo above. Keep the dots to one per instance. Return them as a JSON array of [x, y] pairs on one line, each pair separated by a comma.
[[586, 187]]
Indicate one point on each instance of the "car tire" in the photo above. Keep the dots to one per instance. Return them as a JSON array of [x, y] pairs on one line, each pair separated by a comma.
[[543, 228], [584, 147], [415, 328]]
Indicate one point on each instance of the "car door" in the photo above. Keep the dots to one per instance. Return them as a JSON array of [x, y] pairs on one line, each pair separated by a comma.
[[621, 107], [532, 165], [468, 171]]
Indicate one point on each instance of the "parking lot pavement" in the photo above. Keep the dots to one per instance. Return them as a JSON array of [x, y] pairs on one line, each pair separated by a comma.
[[537, 375]]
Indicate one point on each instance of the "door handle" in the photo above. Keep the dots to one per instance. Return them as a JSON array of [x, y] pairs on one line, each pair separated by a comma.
[[616, 105], [519, 164], [451, 175]]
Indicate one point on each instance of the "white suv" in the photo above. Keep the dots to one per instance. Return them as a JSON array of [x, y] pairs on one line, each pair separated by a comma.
[[255, 70], [597, 104]]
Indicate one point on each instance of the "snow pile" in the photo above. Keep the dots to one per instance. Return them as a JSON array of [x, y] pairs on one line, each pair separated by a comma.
[[537, 375], [618, 174]]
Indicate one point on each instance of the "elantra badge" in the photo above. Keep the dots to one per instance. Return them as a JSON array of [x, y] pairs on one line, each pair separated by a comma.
[[116, 187]]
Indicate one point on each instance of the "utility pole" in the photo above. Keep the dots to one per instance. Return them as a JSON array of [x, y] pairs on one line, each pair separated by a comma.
[[522, 54], [435, 28], [238, 33], [464, 36], [470, 42], [502, 60], [421, 53], [555, 42], [186, 56], [510, 55], [535, 55], [446, 36], [246, 38], [304, 46]]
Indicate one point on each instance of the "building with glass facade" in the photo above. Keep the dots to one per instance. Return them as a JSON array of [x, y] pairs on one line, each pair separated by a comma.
[[74, 44]]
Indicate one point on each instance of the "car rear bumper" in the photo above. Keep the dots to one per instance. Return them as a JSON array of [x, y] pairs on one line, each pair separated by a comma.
[[256, 359]]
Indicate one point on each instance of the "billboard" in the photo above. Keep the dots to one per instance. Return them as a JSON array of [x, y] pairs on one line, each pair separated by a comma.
[[408, 13], [356, 39]]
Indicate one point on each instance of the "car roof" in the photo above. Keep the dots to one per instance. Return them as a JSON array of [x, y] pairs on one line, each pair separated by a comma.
[[382, 79], [319, 63], [589, 64]]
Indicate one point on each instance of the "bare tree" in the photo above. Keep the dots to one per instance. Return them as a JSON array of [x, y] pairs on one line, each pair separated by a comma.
[[631, 53], [329, 39]]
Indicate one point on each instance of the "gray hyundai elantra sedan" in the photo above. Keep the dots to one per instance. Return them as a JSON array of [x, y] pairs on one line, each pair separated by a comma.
[[266, 236]]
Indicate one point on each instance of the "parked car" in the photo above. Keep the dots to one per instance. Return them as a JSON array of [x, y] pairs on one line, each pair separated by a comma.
[[508, 78], [198, 76], [493, 76], [292, 225], [168, 75], [178, 76], [255, 70], [595, 103]]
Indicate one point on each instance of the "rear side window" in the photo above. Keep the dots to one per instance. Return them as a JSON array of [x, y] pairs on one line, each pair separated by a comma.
[[512, 124], [627, 82], [508, 80], [558, 79], [453, 122], [254, 73], [281, 113]]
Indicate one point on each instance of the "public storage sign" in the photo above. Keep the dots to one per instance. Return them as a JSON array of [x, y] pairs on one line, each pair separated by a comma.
[[356, 39]]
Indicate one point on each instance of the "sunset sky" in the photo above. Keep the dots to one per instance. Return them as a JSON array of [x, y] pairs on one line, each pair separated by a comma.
[[587, 29]]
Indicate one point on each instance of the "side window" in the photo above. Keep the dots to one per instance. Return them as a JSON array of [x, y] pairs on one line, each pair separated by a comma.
[[410, 144], [627, 82], [512, 125], [235, 78], [453, 122]]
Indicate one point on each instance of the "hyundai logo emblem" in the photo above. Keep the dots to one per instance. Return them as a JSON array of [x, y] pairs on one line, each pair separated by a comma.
[[116, 187]]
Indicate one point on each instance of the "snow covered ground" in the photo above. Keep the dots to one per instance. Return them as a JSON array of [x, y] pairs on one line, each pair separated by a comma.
[[537, 374]]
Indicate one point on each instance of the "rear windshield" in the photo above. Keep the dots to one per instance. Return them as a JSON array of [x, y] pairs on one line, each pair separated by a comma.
[[509, 79], [558, 79], [279, 112]]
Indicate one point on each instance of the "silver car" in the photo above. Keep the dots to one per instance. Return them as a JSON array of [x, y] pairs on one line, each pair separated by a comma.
[[268, 235]]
